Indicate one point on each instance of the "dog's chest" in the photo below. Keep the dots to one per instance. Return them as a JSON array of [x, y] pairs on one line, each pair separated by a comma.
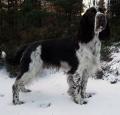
[[89, 54]]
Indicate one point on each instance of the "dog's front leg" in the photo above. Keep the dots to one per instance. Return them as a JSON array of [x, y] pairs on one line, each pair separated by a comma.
[[75, 88], [85, 77]]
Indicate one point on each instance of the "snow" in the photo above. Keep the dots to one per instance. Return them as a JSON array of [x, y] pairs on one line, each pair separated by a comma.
[[113, 72], [49, 97]]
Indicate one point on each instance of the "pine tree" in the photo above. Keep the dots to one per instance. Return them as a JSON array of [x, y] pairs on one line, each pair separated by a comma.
[[0, 4], [114, 7], [68, 7], [36, 4]]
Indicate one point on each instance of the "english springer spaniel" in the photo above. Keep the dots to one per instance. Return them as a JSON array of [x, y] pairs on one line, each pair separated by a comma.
[[81, 54]]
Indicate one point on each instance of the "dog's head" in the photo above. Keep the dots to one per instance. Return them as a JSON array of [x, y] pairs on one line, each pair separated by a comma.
[[100, 22], [92, 22]]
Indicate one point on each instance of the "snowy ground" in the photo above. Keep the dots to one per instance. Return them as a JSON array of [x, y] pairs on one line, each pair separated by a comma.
[[49, 97], [112, 74]]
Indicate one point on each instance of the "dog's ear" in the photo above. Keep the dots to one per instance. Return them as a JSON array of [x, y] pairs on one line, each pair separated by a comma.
[[105, 34], [86, 28]]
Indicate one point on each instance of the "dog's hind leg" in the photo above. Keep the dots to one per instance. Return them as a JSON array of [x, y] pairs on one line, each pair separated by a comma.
[[17, 87], [22, 80], [15, 91], [20, 83], [28, 72]]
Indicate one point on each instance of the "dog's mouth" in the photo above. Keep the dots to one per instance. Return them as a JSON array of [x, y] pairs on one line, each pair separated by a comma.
[[100, 22]]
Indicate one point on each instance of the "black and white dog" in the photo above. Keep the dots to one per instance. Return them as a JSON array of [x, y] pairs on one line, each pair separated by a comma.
[[81, 55]]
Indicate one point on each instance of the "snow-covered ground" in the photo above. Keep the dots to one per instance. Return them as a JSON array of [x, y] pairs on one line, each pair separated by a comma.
[[112, 73], [49, 97]]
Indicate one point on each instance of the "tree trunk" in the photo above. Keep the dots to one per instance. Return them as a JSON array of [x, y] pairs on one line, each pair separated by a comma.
[[0, 4]]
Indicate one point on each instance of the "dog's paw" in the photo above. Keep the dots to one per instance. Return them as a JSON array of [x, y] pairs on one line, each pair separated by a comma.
[[18, 102], [80, 101], [88, 95], [26, 90]]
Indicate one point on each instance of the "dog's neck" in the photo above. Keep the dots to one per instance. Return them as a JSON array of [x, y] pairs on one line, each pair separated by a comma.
[[94, 46]]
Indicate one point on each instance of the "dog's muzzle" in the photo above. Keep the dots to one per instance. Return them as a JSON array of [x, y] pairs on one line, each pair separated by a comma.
[[101, 22]]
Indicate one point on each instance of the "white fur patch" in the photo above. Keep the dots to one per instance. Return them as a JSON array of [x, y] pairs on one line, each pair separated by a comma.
[[35, 66], [89, 55], [65, 66]]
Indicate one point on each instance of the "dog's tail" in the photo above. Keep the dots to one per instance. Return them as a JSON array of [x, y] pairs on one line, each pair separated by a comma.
[[13, 60]]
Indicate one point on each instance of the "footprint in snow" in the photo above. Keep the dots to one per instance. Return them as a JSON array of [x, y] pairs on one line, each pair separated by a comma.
[[1, 95], [45, 105]]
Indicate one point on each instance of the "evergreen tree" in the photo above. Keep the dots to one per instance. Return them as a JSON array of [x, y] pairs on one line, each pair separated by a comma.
[[28, 5], [0, 4], [114, 7], [68, 7]]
